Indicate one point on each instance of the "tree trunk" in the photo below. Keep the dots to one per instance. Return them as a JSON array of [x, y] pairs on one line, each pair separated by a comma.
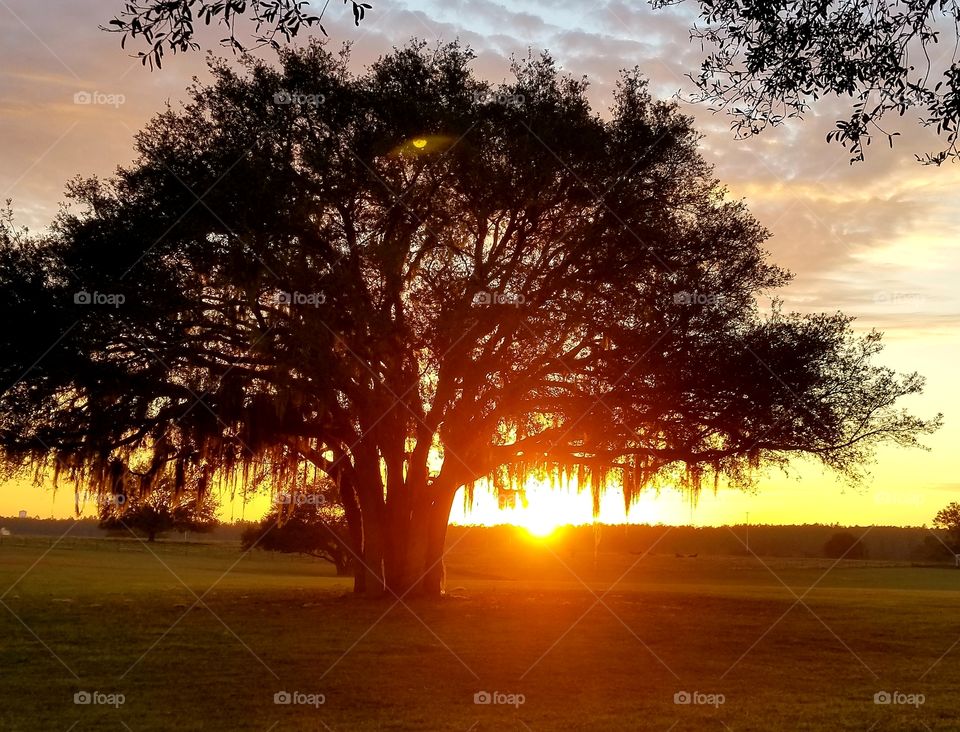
[[373, 548], [416, 554], [434, 578], [359, 574], [369, 490], [351, 510]]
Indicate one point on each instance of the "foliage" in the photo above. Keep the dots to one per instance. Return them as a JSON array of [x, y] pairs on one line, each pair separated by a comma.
[[170, 26], [158, 512], [305, 523], [932, 549], [769, 59], [844, 545], [409, 281], [949, 518]]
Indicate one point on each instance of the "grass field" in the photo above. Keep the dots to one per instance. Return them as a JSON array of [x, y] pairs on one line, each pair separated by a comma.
[[603, 643]]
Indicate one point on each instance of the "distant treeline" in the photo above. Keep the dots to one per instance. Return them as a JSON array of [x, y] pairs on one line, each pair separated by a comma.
[[893, 543], [89, 528]]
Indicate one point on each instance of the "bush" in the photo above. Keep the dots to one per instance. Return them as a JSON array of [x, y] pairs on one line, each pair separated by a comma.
[[844, 545]]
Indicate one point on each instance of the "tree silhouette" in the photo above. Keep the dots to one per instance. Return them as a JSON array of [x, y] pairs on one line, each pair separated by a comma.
[[159, 511], [170, 26], [311, 522], [949, 518], [770, 59], [407, 282], [844, 545]]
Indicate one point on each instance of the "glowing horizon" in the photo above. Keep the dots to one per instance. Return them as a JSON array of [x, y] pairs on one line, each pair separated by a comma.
[[805, 498]]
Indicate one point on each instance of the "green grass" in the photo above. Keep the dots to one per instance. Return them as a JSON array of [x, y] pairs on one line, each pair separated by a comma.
[[521, 618]]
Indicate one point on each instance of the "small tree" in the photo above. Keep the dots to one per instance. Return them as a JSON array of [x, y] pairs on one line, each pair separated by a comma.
[[310, 523], [949, 518], [844, 545], [158, 512]]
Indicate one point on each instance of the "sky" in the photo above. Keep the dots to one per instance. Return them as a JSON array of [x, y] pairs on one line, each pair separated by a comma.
[[877, 240]]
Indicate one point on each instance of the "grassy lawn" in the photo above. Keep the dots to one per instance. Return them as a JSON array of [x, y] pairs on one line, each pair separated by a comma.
[[521, 618]]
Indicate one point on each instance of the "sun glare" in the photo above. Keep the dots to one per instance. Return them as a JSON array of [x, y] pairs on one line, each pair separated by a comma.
[[546, 509], [540, 525], [414, 147]]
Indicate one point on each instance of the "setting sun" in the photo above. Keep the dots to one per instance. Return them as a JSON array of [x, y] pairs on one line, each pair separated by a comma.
[[542, 509], [540, 525]]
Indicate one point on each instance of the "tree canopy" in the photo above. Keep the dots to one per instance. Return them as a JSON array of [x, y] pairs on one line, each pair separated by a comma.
[[312, 523], [948, 518], [164, 26], [158, 511], [844, 545], [767, 60], [408, 281]]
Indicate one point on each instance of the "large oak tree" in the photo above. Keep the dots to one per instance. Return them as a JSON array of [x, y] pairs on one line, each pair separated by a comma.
[[407, 281]]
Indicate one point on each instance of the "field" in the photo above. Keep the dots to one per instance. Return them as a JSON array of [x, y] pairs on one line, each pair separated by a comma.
[[196, 637]]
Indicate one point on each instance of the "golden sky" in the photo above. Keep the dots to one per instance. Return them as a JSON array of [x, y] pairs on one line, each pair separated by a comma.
[[877, 240]]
